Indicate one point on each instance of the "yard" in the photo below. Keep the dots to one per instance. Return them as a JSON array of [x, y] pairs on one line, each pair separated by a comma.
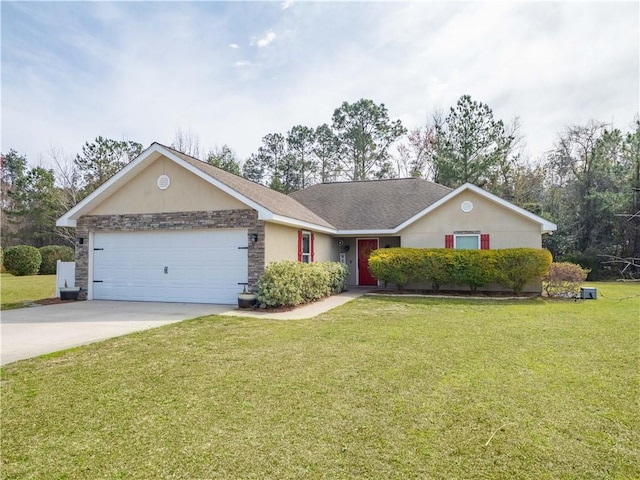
[[15, 292], [379, 388]]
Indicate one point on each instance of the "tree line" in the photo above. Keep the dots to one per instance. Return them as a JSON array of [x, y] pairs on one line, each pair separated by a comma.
[[588, 182]]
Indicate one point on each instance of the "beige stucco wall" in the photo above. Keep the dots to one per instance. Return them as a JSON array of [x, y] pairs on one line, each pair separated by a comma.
[[186, 193], [506, 228], [326, 248], [281, 243]]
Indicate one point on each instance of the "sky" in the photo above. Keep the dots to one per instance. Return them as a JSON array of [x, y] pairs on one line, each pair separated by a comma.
[[233, 72]]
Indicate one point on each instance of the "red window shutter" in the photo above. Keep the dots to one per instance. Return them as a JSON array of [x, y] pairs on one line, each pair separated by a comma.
[[299, 245], [313, 253], [448, 241], [484, 241]]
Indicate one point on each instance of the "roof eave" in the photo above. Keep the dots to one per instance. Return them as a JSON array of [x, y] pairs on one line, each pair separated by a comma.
[[293, 222], [367, 232], [95, 197]]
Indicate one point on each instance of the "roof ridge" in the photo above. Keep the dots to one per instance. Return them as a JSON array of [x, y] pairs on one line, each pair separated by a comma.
[[370, 180], [376, 180]]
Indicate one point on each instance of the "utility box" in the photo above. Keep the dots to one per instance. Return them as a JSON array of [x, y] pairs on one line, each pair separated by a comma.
[[588, 293]]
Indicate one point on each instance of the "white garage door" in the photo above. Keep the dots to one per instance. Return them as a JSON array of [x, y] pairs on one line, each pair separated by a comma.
[[196, 266]]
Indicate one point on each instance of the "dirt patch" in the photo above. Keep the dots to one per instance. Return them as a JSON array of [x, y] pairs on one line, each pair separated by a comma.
[[51, 301]]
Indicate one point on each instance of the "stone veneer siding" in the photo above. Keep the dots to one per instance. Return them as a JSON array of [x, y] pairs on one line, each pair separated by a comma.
[[149, 222]]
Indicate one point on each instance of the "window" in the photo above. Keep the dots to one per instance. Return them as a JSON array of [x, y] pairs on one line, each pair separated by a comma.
[[305, 246], [467, 241]]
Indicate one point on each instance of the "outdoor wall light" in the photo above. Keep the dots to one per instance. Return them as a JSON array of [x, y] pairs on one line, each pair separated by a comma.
[[80, 240], [254, 237]]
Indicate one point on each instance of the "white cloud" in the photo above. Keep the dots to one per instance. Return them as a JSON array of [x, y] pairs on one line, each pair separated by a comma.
[[234, 45], [265, 40], [162, 67], [286, 4]]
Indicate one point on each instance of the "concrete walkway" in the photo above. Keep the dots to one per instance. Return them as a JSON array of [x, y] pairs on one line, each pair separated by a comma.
[[306, 311]]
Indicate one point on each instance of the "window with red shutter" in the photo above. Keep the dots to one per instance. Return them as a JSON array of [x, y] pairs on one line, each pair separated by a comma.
[[305, 246], [448, 241], [313, 253], [484, 241], [466, 241]]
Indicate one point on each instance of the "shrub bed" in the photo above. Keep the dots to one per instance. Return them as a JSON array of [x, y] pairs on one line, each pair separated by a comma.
[[22, 260], [515, 267], [50, 256], [563, 279], [288, 284], [512, 268]]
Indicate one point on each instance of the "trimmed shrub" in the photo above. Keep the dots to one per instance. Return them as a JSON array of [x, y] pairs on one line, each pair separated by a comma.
[[436, 266], [515, 267], [338, 273], [397, 266], [473, 268], [22, 260], [51, 254], [287, 283], [316, 283], [563, 279], [280, 284]]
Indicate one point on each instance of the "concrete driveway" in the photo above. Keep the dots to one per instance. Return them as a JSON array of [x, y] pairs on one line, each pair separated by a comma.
[[29, 332]]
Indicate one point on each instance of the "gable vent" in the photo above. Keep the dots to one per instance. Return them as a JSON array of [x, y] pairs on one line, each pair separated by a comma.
[[163, 182]]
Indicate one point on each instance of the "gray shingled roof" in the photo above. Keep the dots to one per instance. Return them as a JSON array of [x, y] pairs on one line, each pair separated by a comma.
[[273, 201], [370, 205]]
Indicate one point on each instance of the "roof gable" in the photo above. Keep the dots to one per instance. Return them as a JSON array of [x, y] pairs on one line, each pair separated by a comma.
[[545, 225], [187, 192], [270, 205]]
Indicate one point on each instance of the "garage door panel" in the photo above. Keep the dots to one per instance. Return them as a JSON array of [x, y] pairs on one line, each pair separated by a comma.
[[203, 266]]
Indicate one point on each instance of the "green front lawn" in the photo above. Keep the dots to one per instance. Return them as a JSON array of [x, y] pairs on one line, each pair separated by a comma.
[[16, 292], [378, 388]]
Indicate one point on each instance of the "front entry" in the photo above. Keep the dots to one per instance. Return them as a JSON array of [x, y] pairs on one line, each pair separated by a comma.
[[365, 247]]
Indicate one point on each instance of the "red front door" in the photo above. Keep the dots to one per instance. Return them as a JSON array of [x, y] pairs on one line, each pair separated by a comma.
[[365, 247]]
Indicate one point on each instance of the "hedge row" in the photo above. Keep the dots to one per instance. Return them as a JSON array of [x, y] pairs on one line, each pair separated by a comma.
[[512, 268], [287, 284]]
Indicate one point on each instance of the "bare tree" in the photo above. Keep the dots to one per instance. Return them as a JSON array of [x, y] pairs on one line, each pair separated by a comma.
[[187, 142], [69, 183]]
